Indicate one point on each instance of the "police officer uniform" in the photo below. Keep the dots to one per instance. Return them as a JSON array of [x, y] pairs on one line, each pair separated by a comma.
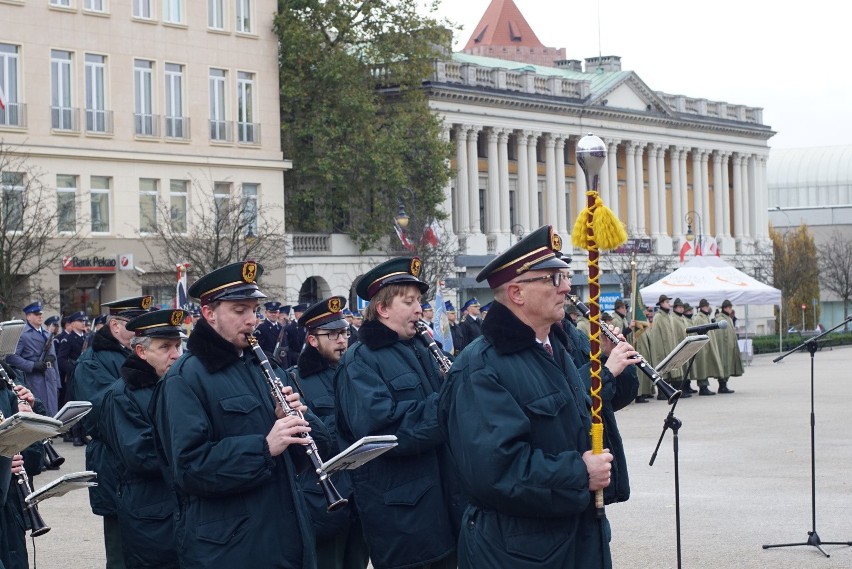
[[471, 326], [35, 356], [296, 335], [267, 331], [68, 351]]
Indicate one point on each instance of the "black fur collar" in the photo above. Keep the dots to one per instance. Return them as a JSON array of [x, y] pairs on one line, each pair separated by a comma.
[[105, 341], [138, 373], [508, 334], [376, 335], [214, 351], [311, 362]]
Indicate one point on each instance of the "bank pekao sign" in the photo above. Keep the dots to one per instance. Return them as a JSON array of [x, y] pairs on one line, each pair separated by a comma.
[[92, 264]]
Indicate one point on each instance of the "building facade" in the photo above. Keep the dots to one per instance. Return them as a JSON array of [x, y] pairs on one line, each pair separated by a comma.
[[126, 109]]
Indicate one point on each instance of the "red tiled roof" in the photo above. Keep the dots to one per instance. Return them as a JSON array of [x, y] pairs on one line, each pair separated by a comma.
[[503, 25]]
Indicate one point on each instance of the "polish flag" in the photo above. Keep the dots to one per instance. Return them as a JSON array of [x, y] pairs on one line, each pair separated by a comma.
[[432, 234], [402, 238], [713, 248], [684, 249], [2, 98]]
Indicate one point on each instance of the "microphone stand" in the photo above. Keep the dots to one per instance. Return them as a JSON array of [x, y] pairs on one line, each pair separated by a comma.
[[813, 537], [673, 423]]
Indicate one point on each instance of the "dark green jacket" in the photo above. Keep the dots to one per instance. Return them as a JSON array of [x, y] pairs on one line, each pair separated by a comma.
[[517, 423], [315, 380], [146, 502], [97, 369], [212, 412], [408, 499]]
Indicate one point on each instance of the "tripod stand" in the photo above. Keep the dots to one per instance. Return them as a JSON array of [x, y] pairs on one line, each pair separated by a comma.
[[813, 537]]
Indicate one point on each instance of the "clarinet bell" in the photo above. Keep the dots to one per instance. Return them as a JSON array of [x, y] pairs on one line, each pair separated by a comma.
[[52, 459], [670, 393], [36, 523], [332, 497]]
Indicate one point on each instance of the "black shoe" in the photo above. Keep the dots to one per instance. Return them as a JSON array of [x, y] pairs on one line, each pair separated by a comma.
[[704, 390], [640, 399], [67, 438], [78, 442], [685, 395], [724, 389], [689, 389]]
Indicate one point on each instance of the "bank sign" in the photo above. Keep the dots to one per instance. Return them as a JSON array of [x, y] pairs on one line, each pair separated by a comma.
[[92, 264]]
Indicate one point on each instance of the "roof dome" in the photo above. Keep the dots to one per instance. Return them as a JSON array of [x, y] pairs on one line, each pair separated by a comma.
[[803, 177]]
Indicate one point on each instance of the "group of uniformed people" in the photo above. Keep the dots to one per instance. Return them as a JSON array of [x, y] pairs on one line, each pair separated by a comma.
[[199, 466]]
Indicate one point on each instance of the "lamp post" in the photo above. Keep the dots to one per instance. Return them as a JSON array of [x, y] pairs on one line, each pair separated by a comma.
[[690, 236], [518, 231]]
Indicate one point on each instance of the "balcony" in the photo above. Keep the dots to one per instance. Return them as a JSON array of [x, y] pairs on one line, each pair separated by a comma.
[[177, 128], [98, 121], [146, 125], [311, 244], [221, 131], [66, 119], [248, 133], [14, 115]]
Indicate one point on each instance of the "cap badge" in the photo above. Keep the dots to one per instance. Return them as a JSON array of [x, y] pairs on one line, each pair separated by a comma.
[[555, 241], [177, 317], [334, 305], [416, 266], [146, 302], [249, 271]]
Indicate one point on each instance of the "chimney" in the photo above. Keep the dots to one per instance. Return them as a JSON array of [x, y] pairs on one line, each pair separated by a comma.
[[570, 64], [604, 63]]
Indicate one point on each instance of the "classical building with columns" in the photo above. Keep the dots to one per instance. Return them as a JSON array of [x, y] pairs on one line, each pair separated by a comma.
[[673, 161]]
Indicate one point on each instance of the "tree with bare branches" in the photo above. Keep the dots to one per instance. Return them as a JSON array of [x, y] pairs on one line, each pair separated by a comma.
[[649, 268], [214, 231], [30, 243], [834, 259], [795, 270]]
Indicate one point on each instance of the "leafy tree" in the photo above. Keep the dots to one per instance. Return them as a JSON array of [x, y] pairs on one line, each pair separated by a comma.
[[29, 242], [355, 118], [216, 231], [795, 271], [835, 267], [649, 268]]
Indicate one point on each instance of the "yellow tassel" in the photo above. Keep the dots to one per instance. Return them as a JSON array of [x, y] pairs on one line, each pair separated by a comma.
[[579, 237], [608, 230]]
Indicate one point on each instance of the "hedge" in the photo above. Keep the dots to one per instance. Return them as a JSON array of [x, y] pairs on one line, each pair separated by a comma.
[[769, 344]]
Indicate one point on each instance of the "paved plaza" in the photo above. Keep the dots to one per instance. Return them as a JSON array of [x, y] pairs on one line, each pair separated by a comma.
[[745, 476]]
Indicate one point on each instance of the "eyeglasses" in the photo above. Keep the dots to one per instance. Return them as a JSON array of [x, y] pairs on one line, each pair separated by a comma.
[[344, 333], [555, 278]]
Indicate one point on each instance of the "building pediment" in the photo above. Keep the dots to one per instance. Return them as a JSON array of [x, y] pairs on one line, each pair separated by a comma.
[[627, 91]]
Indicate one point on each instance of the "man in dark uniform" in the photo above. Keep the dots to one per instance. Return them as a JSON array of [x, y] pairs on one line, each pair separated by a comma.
[[455, 329], [67, 353], [517, 419], [357, 322], [295, 336], [232, 454], [52, 325], [483, 311], [97, 369], [35, 356], [340, 541], [281, 348], [267, 331], [145, 500], [471, 326], [387, 384], [428, 314]]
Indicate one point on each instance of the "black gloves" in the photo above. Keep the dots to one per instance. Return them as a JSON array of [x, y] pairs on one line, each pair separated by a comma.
[[50, 358], [39, 367]]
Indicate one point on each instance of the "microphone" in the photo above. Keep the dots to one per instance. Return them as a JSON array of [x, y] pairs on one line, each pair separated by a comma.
[[721, 325]]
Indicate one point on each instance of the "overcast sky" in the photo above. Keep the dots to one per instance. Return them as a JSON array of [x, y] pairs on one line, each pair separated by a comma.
[[791, 59]]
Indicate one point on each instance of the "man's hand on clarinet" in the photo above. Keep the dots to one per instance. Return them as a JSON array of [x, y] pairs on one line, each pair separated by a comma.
[[285, 432]]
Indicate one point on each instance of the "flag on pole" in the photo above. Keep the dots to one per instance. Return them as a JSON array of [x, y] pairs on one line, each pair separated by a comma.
[[684, 249], [432, 234], [441, 323], [713, 248], [181, 299], [2, 98], [402, 238]]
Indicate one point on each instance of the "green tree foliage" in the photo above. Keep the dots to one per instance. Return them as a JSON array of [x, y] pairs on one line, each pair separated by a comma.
[[796, 273], [355, 118]]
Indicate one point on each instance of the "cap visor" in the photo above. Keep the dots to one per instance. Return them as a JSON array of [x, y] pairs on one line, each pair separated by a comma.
[[333, 325], [552, 263]]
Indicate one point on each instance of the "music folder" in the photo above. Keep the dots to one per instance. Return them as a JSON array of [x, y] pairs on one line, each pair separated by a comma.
[[63, 485], [681, 353], [359, 453], [23, 429], [71, 413]]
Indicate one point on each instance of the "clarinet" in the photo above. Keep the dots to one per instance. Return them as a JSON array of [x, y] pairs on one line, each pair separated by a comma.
[[444, 363], [52, 458], [332, 496], [667, 390]]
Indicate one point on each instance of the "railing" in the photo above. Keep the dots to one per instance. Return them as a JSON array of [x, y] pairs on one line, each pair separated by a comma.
[[311, 244], [146, 124], [15, 115], [221, 131], [491, 245], [98, 121], [65, 118], [177, 128], [248, 132]]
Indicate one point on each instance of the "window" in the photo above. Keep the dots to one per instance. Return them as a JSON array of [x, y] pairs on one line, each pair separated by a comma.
[[243, 13], [66, 203], [97, 117], [246, 128], [250, 208], [148, 205], [11, 111], [142, 9], [61, 113], [62, 3], [95, 5], [143, 71], [173, 11], [12, 211], [216, 14], [221, 201], [100, 189], [218, 124], [175, 121], [177, 204]]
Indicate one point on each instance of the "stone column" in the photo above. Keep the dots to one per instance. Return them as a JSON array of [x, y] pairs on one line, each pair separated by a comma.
[[580, 186], [612, 169], [697, 200], [632, 217], [492, 195], [550, 213], [746, 197], [661, 189], [523, 180], [461, 216], [738, 196], [640, 190], [473, 180], [705, 192], [505, 196], [726, 198], [535, 222], [653, 191], [718, 207], [561, 206], [677, 201]]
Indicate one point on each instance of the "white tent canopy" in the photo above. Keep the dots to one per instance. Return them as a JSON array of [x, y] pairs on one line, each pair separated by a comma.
[[713, 279]]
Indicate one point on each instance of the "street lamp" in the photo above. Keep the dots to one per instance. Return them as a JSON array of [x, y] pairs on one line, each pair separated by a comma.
[[401, 217], [690, 236], [518, 231]]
